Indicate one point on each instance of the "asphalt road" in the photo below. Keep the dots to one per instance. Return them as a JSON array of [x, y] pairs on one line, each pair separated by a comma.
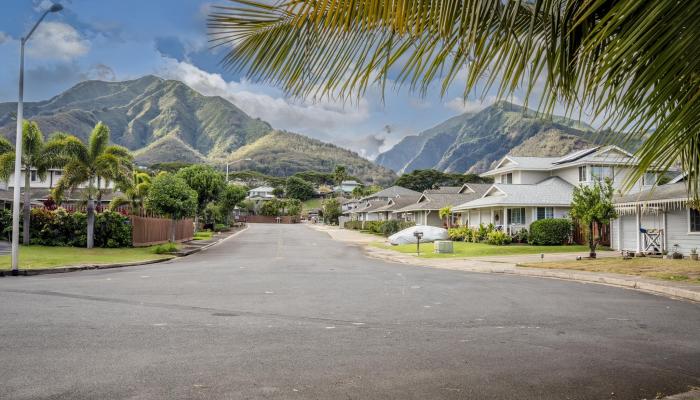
[[285, 312]]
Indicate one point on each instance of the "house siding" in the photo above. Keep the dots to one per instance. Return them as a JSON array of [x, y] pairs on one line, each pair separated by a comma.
[[676, 231]]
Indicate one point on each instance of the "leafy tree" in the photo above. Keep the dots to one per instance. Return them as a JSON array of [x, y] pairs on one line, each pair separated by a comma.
[[633, 63], [170, 195], [206, 181], [592, 207], [446, 214], [331, 211], [231, 196], [424, 179], [35, 156], [364, 191], [169, 166], [272, 208], [292, 207], [278, 192], [134, 192], [315, 177], [91, 163], [298, 188]]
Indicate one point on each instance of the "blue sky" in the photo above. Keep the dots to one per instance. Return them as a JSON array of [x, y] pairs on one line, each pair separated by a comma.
[[126, 39]]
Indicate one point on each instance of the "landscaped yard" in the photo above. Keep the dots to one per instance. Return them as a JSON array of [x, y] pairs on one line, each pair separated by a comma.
[[34, 257], [203, 235], [311, 203], [465, 249], [673, 270]]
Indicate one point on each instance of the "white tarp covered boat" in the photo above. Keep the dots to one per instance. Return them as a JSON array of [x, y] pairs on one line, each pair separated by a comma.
[[430, 234]]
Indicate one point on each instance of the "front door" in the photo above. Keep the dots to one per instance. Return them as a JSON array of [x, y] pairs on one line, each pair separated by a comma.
[[498, 217]]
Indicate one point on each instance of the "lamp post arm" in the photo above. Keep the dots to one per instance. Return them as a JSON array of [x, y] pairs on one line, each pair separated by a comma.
[[26, 38]]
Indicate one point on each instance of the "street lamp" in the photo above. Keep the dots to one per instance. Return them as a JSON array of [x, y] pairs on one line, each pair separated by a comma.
[[235, 162], [18, 141]]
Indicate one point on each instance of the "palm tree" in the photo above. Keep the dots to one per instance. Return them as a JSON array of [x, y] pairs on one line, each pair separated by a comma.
[[93, 163], [633, 64], [134, 192], [36, 159]]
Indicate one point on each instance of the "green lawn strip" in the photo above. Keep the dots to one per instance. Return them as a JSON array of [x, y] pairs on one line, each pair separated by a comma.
[[37, 257], [464, 249], [310, 204], [671, 270], [203, 235]]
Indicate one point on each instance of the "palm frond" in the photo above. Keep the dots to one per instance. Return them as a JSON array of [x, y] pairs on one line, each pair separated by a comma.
[[98, 140], [7, 165]]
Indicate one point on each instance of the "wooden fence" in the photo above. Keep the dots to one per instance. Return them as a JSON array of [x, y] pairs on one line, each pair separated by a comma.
[[147, 231], [265, 219], [581, 237]]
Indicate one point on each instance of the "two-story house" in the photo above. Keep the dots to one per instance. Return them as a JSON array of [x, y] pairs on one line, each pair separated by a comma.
[[261, 193], [527, 189]]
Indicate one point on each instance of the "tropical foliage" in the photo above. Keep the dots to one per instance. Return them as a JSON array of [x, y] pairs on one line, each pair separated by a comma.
[[133, 192], [206, 181], [632, 63], [592, 207], [170, 195], [424, 179], [96, 163], [332, 211], [550, 231], [297, 188], [36, 159]]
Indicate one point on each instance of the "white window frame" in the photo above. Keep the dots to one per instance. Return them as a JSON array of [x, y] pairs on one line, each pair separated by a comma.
[[521, 219], [584, 169], [504, 178], [537, 214], [595, 178], [644, 178], [691, 232]]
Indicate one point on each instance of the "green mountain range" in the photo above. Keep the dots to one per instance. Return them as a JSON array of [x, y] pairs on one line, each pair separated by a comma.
[[165, 120], [471, 142]]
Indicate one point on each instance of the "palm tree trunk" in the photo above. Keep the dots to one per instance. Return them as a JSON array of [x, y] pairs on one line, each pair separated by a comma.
[[90, 222], [26, 209]]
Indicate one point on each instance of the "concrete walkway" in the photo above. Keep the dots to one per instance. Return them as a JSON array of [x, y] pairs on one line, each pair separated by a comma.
[[508, 265]]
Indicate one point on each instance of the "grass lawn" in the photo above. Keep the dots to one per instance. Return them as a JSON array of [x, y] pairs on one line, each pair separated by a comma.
[[311, 203], [34, 257], [672, 270], [203, 235], [464, 249]]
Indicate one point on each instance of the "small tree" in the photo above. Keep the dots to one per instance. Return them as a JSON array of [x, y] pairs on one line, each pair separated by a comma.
[[170, 195], [292, 207], [340, 174], [446, 214], [230, 197], [331, 211], [592, 207], [297, 188], [206, 181]]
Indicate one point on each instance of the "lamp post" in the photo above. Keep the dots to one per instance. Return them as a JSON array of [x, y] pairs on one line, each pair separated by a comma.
[[235, 162], [18, 141]]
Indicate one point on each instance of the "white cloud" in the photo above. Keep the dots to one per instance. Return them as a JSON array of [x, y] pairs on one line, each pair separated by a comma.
[[315, 119], [56, 40], [3, 37]]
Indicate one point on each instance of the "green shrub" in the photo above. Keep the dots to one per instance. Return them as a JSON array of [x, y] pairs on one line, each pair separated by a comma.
[[354, 225], [112, 229], [221, 228], [479, 234], [521, 236], [6, 223], [165, 248], [460, 234], [498, 238], [551, 231]]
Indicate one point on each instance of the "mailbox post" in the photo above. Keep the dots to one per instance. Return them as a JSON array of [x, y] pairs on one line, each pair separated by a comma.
[[418, 235]]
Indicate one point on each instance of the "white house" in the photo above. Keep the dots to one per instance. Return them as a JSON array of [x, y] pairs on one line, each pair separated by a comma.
[[261, 192], [346, 187], [379, 206], [531, 188], [53, 175], [426, 210], [655, 220]]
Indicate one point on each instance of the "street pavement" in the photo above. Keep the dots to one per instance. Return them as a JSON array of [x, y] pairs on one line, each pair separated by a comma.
[[285, 312]]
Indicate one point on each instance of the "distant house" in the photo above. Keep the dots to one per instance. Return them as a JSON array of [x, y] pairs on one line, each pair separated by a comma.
[[655, 220], [261, 192], [346, 187], [527, 189], [379, 206], [426, 209]]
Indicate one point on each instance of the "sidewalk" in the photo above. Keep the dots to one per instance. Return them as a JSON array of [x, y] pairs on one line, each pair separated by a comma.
[[508, 265]]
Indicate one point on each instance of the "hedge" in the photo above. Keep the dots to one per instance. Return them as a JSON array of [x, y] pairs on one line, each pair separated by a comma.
[[386, 228], [550, 231], [61, 228]]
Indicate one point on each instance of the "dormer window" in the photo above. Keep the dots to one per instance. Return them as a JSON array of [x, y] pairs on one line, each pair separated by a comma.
[[507, 178], [602, 172], [582, 176], [649, 179]]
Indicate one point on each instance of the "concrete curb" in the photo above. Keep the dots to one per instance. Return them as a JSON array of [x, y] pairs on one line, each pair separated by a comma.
[[73, 268], [692, 395], [629, 282]]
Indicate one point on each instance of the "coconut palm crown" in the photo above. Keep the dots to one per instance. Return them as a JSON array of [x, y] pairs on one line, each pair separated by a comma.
[[94, 164]]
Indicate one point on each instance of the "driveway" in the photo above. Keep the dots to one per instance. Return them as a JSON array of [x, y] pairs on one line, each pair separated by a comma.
[[283, 311]]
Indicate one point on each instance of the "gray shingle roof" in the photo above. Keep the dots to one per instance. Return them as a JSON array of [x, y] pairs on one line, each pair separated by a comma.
[[673, 191], [394, 191], [444, 189], [399, 202], [552, 191], [436, 201]]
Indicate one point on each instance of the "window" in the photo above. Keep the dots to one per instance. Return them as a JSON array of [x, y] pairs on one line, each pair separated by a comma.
[[601, 172], [545, 212], [649, 178], [507, 178], [516, 216], [33, 176], [582, 177], [694, 220]]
